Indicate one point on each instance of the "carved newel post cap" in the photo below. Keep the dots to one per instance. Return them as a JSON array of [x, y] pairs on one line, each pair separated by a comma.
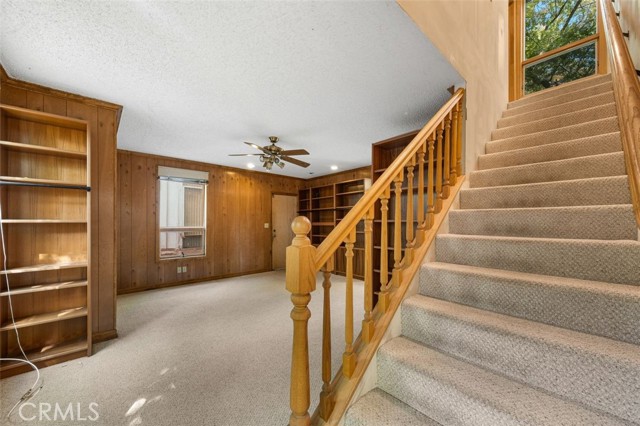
[[301, 226], [301, 277]]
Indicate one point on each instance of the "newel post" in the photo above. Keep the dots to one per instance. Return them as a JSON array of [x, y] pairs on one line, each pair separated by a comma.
[[301, 282]]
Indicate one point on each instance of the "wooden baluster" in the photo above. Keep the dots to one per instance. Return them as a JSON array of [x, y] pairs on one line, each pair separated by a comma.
[[383, 296], [300, 282], [368, 327], [349, 357], [326, 396], [459, 147], [453, 177], [408, 251], [439, 131], [421, 223], [397, 229], [430, 171], [446, 190]]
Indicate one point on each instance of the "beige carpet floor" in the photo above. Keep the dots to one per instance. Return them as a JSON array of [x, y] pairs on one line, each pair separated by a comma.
[[215, 353]]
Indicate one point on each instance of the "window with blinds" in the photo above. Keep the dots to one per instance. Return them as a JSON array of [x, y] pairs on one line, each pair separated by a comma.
[[182, 212]]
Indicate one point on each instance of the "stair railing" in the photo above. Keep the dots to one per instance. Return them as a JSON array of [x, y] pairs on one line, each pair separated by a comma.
[[435, 152], [626, 89]]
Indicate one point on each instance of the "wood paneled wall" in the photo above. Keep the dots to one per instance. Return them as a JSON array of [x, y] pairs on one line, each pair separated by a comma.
[[103, 118], [361, 173], [239, 204]]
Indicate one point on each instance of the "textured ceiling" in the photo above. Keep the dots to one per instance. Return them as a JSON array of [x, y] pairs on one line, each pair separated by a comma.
[[196, 78]]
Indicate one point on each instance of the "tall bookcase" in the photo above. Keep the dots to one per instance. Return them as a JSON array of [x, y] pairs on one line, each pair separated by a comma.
[[326, 206], [44, 196]]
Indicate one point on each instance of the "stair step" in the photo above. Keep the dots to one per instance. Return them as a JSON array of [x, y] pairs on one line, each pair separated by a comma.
[[609, 164], [579, 192], [587, 369], [603, 309], [610, 222], [553, 111], [593, 145], [454, 392], [596, 260], [562, 134], [381, 409], [559, 99], [560, 94], [568, 118]]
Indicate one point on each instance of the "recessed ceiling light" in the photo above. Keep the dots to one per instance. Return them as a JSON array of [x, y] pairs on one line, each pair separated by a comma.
[[334, 167], [251, 166]]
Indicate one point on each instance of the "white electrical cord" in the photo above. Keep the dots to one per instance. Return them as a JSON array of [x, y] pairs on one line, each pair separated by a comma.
[[34, 389]]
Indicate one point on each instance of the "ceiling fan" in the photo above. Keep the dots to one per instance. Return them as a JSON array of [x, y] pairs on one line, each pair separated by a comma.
[[273, 154]]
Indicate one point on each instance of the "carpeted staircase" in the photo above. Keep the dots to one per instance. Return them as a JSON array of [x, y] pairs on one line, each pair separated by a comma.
[[531, 313]]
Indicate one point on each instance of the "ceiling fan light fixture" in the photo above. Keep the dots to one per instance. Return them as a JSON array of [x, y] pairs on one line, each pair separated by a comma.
[[271, 154]]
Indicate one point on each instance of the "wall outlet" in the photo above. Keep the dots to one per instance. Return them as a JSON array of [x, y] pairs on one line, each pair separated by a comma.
[[184, 269], [179, 269], [266, 226]]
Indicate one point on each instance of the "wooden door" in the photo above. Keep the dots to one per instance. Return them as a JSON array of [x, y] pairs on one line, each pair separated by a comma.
[[283, 211]]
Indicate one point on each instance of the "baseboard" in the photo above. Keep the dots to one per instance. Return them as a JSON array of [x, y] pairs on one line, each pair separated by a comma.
[[192, 281], [103, 336]]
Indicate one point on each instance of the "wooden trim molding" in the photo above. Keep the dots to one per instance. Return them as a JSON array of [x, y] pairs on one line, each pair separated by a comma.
[[626, 89], [103, 336], [3, 74], [6, 79], [515, 48], [191, 281]]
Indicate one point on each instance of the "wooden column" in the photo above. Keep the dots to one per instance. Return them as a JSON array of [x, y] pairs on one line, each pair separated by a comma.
[[326, 395], [383, 297], [439, 150], [300, 282], [421, 211], [459, 147], [430, 171], [447, 156], [349, 357], [453, 178], [368, 327], [397, 229], [408, 252]]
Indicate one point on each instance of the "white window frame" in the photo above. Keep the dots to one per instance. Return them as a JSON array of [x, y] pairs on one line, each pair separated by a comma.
[[188, 177]]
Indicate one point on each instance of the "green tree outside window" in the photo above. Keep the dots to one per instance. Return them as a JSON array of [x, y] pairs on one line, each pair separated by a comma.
[[550, 24]]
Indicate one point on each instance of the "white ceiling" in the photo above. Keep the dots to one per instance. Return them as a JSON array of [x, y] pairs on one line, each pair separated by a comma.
[[196, 78]]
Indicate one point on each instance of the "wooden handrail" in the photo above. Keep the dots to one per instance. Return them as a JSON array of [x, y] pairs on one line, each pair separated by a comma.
[[340, 232], [626, 90], [402, 234]]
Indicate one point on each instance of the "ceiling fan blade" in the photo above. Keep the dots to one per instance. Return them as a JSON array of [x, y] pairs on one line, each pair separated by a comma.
[[295, 152], [295, 161], [253, 145], [244, 155]]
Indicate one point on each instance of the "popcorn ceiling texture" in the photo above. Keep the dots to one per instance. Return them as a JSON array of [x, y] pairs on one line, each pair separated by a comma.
[[530, 313], [197, 78]]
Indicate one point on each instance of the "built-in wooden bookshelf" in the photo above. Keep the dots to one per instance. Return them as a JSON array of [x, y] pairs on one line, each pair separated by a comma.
[[325, 206], [44, 195]]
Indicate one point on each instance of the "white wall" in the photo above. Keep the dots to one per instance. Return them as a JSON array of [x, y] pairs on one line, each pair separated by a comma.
[[473, 36], [630, 21]]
